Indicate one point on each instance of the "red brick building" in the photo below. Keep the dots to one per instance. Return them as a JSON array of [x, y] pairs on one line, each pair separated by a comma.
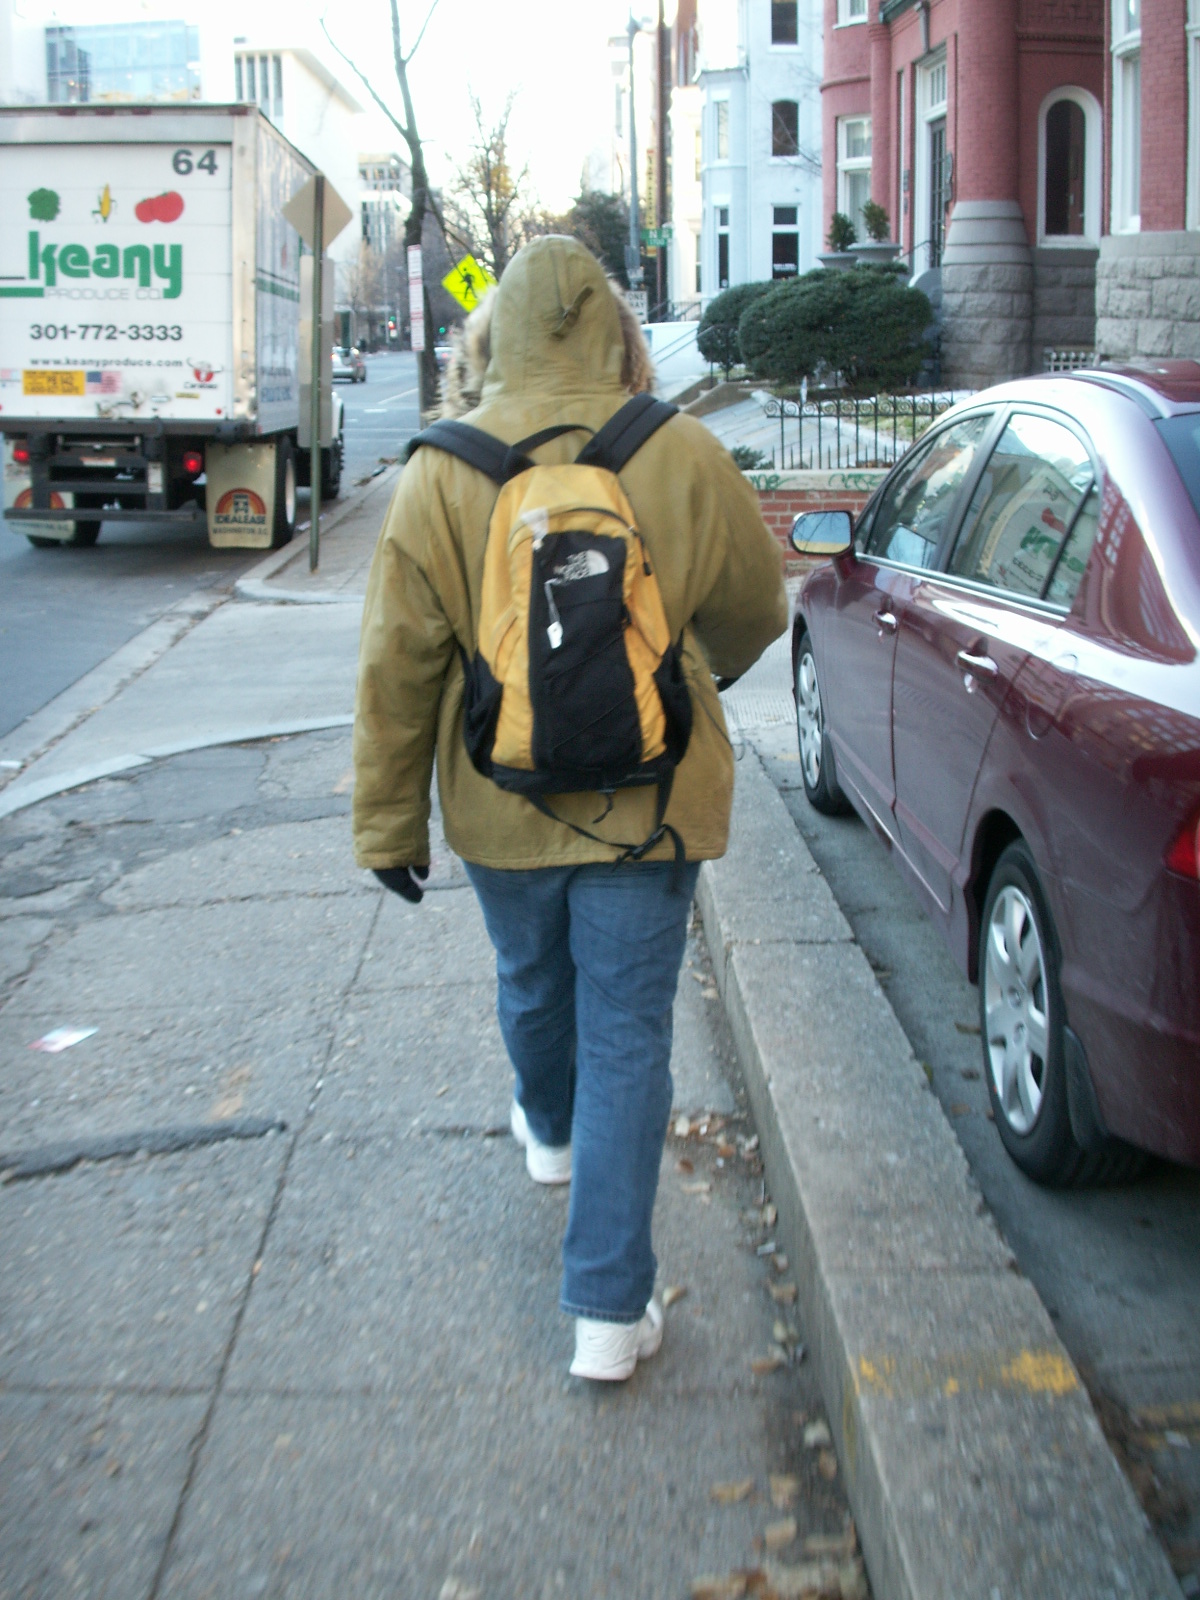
[[1037, 159]]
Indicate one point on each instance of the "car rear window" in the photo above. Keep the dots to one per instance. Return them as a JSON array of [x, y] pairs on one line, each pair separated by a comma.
[[1181, 435]]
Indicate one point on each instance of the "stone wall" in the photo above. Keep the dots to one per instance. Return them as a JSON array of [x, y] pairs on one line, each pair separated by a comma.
[[782, 496], [987, 295], [1148, 295], [1064, 301]]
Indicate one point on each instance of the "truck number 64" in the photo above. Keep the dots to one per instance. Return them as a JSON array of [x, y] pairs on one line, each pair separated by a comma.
[[182, 162]]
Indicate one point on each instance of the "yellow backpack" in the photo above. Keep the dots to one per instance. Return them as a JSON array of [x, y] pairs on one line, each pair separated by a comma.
[[576, 683]]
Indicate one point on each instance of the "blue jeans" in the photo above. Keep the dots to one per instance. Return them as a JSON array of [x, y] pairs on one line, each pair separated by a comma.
[[587, 960]]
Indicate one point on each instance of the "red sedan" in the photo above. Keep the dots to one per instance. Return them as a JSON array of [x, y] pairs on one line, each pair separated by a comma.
[[999, 669]]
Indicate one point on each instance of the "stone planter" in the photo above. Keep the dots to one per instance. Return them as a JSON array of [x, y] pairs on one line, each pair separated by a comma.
[[836, 258], [875, 252]]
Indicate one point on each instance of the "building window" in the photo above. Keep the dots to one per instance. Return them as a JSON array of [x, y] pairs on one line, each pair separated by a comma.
[[721, 112], [699, 154], [722, 247], [784, 26], [785, 243], [699, 279], [122, 62], [853, 166], [1069, 168], [277, 71], [934, 168], [851, 11], [620, 111], [1127, 116], [785, 128], [238, 92], [1193, 32]]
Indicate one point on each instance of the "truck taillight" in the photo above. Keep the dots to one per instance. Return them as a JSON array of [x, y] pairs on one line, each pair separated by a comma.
[[1184, 855], [193, 463], [21, 453]]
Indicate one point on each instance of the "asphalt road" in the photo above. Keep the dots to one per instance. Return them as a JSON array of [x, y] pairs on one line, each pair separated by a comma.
[[63, 611], [1119, 1268]]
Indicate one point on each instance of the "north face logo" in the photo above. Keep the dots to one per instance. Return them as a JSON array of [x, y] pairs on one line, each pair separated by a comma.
[[587, 564]]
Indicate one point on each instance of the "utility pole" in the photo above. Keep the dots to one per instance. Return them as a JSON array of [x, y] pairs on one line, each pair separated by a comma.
[[662, 79], [633, 250], [314, 437]]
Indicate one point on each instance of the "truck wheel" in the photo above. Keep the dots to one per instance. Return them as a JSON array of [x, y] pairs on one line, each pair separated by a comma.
[[285, 493], [39, 541], [331, 472], [85, 535]]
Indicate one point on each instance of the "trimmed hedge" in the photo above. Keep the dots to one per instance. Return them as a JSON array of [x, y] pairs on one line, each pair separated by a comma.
[[717, 335], [864, 323]]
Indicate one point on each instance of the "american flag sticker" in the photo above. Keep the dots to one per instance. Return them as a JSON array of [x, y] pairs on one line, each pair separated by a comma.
[[103, 383]]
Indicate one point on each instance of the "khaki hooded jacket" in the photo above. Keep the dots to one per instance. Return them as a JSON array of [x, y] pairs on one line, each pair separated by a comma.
[[557, 354]]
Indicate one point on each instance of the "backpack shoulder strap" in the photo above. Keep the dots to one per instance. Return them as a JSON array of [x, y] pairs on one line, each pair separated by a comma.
[[625, 433], [480, 450]]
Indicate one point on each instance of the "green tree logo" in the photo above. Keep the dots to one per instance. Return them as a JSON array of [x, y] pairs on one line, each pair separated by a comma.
[[43, 205]]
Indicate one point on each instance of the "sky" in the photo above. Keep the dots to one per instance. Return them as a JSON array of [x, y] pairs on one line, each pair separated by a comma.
[[553, 54]]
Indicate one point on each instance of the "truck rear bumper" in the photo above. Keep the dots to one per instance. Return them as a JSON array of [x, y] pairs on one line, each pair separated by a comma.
[[192, 514]]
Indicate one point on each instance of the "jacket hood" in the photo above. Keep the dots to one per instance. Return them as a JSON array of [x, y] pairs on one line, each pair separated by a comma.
[[555, 324]]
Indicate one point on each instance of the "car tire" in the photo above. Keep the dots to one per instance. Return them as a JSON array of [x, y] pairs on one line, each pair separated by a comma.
[[85, 535], [816, 758], [284, 528], [1022, 1023], [331, 472], [39, 541]]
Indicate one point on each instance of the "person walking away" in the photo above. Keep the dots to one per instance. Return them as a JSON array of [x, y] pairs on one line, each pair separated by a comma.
[[583, 765]]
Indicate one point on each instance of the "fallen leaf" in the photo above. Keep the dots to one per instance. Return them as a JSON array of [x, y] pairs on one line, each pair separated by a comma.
[[438, 1093], [783, 1294], [783, 1334], [772, 1363], [779, 1261], [778, 1534], [990, 1114], [671, 1294], [456, 1589], [804, 1582], [959, 1110], [750, 1145], [967, 1027], [701, 1186], [816, 1434], [832, 1544], [827, 1464], [732, 1587], [784, 1489], [726, 1150], [769, 1216], [729, 1494], [684, 1165], [683, 1126], [970, 1073], [708, 993]]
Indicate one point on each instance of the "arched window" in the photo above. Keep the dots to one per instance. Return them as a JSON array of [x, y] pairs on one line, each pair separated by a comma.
[[785, 128], [1069, 168]]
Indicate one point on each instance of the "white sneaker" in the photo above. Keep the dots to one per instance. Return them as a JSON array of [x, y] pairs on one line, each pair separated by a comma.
[[544, 1163], [609, 1351]]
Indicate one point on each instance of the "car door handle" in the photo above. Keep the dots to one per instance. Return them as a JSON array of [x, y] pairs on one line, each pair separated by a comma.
[[984, 665], [885, 619]]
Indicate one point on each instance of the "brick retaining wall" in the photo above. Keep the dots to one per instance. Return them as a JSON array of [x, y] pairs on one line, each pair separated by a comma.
[[782, 496]]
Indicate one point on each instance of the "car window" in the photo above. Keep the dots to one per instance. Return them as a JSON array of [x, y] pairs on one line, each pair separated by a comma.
[[917, 503], [1065, 579], [1023, 505], [1182, 438]]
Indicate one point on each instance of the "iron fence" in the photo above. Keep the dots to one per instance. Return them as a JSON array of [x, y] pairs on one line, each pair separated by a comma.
[[846, 432]]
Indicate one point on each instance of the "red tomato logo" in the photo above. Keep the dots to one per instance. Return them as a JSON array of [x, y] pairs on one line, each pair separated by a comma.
[[166, 207]]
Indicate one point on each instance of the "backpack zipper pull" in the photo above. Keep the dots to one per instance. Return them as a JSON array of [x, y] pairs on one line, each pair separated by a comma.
[[554, 632]]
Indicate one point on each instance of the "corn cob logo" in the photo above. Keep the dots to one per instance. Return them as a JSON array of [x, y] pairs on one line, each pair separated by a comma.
[[105, 205]]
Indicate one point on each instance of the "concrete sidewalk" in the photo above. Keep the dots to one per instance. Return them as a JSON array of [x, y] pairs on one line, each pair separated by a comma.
[[252, 977]]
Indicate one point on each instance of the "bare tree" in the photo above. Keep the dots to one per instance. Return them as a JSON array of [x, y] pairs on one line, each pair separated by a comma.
[[489, 196], [362, 281], [423, 199]]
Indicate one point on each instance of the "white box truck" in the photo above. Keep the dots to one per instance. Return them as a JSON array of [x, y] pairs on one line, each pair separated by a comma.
[[152, 354]]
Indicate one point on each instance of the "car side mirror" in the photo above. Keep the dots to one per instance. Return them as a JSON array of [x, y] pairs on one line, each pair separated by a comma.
[[822, 533]]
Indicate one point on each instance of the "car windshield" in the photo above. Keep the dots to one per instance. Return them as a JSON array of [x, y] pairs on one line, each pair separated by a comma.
[[1181, 435]]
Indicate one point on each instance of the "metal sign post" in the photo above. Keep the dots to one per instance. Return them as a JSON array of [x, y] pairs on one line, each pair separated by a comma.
[[314, 448]]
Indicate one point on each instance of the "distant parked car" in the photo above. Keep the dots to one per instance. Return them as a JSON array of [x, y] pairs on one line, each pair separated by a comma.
[[442, 354], [999, 669], [348, 364]]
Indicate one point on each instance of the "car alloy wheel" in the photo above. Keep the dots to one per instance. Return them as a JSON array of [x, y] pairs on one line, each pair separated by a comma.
[[1016, 1008], [810, 721]]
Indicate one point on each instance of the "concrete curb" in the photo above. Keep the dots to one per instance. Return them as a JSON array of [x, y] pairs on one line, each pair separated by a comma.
[[253, 585], [974, 1463]]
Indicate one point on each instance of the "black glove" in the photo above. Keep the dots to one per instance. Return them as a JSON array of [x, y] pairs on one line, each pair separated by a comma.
[[403, 881]]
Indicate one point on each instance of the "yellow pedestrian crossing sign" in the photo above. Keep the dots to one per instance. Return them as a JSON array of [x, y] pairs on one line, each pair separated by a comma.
[[468, 282]]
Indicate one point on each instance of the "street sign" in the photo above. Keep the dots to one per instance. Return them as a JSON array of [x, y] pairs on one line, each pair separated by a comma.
[[416, 298], [300, 211], [468, 282], [658, 236], [638, 303]]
